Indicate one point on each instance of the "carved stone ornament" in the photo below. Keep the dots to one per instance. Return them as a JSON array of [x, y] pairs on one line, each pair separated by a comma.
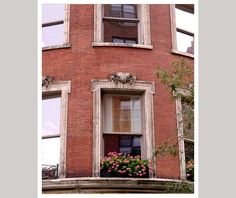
[[123, 78], [46, 80]]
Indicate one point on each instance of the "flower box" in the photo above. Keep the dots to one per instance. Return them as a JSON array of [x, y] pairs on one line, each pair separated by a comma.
[[122, 165]]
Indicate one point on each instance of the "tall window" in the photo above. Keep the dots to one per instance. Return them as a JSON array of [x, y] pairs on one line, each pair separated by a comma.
[[51, 106], [120, 23], [188, 135], [122, 123], [183, 40], [123, 25], [54, 24], [185, 124], [54, 129]]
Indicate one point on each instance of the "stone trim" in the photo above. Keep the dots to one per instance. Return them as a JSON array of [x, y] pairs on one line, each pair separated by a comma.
[[144, 33], [148, 90], [114, 185], [108, 44], [64, 87]]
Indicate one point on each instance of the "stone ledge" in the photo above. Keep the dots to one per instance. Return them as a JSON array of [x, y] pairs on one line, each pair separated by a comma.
[[115, 185]]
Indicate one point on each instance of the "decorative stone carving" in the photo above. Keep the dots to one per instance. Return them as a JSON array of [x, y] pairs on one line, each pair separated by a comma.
[[123, 78], [46, 80]]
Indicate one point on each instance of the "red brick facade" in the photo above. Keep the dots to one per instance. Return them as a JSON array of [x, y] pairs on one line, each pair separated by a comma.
[[82, 62]]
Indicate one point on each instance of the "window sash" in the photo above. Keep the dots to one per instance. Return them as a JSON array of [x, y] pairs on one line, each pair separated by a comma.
[[108, 116], [122, 10]]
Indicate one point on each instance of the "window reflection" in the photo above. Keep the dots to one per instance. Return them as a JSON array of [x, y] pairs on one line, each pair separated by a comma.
[[185, 43], [185, 27], [120, 23]]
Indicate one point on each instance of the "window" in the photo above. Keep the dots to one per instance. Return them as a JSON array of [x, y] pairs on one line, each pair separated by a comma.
[[185, 124], [54, 25], [123, 120], [54, 129], [51, 106], [122, 130], [183, 28], [120, 21], [123, 25]]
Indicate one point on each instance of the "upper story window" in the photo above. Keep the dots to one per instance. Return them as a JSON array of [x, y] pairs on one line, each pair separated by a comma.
[[54, 25], [183, 28], [123, 25], [120, 23]]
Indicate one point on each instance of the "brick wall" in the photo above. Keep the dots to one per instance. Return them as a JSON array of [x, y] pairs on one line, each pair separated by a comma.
[[81, 62]]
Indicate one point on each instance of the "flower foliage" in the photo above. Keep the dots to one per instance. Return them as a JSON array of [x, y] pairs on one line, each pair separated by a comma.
[[122, 165], [190, 170]]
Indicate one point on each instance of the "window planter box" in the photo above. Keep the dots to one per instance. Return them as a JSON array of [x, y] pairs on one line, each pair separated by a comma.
[[122, 165]]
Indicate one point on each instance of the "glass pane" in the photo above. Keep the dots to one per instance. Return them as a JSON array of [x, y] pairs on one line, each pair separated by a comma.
[[189, 151], [121, 113], [184, 20], [136, 115], [51, 116], [111, 143], [53, 35], [121, 30], [120, 11], [52, 12], [126, 141], [188, 120], [50, 151], [185, 43], [130, 11], [126, 144], [117, 40]]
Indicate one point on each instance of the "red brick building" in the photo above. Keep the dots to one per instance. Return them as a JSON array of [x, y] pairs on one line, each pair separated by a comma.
[[101, 67]]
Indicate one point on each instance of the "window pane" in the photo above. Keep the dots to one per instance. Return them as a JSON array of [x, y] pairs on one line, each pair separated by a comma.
[[188, 120], [52, 12], [120, 29], [53, 35], [125, 141], [136, 115], [184, 20], [121, 114], [120, 11], [118, 40], [50, 151], [51, 116], [129, 11], [189, 151], [185, 43], [122, 144]]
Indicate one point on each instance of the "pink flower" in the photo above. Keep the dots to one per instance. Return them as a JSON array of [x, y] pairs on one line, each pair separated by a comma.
[[140, 175]]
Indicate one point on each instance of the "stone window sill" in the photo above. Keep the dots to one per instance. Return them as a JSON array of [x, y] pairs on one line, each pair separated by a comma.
[[66, 45], [107, 44], [174, 51]]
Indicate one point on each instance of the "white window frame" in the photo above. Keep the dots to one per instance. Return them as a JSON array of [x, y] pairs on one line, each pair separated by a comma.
[[180, 128], [62, 87], [174, 35], [66, 23], [148, 90], [144, 34]]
